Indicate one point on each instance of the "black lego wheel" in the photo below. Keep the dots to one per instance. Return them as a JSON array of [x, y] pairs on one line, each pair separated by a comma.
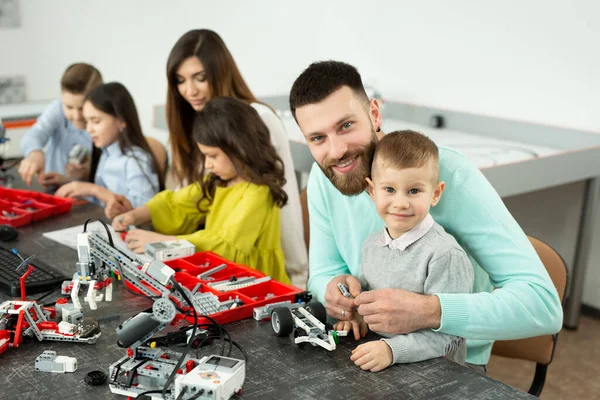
[[297, 333], [282, 321], [318, 311], [95, 378]]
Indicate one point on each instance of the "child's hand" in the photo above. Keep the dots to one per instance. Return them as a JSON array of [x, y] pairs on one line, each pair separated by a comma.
[[356, 325], [372, 356], [78, 172], [137, 238], [117, 204], [76, 189], [31, 165], [121, 222], [52, 179]]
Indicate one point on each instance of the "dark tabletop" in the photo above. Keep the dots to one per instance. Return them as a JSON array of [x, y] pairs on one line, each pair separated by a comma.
[[276, 367]]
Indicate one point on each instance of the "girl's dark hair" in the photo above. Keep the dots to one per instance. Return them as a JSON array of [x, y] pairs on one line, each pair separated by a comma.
[[224, 79], [237, 129], [114, 99]]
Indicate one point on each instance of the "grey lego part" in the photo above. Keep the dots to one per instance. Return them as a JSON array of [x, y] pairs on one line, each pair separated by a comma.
[[206, 303], [48, 361], [260, 313], [231, 281], [241, 283], [206, 275], [71, 314], [344, 290], [231, 303], [195, 289], [215, 377], [163, 310], [78, 154], [159, 271], [127, 264]]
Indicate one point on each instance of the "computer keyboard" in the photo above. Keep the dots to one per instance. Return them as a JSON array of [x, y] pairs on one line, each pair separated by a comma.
[[42, 279]]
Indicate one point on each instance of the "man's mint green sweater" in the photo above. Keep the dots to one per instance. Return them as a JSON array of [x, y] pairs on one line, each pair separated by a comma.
[[525, 302]]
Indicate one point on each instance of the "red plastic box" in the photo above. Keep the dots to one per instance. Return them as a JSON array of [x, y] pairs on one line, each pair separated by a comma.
[[21, 207], [252, 296]]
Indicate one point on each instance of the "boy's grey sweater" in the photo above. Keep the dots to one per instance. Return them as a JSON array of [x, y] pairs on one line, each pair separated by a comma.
[[435, 263]]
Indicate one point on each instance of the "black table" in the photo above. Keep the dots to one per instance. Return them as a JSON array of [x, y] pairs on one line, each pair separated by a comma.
[[276, 367]]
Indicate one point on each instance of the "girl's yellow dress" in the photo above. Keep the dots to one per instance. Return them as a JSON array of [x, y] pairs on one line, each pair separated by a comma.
[[241, 224]]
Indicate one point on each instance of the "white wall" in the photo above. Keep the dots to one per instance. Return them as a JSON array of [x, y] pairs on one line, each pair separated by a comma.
[[527, 60]]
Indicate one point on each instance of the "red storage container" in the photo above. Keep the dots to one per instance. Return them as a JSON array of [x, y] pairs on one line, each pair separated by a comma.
[[21, 207], [256, 295]]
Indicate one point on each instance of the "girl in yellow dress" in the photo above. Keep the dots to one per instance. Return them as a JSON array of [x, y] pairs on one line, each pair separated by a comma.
[[236, 197]]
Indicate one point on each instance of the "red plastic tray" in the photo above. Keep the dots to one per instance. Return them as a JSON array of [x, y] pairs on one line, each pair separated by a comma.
[[28, 206], [188, 268]]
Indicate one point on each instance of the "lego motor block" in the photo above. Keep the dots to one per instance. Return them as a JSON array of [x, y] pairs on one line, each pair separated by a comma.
[[48, 361]]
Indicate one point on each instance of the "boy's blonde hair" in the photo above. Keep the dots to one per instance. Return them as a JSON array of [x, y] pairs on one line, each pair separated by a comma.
[[407, 149], [80, 78]]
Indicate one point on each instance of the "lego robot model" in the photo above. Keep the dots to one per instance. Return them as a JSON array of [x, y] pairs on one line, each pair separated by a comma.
[[147, 368], [309, 324], [20, 319], [162, 373], [91, 272], [98, 258]]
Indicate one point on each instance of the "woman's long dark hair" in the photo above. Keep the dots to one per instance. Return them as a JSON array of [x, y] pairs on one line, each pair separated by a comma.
[[224, 79], [114, 99], [237, 129]]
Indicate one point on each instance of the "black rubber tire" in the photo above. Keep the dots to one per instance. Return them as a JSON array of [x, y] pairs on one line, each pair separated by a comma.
[[282, 321], [318, 311]]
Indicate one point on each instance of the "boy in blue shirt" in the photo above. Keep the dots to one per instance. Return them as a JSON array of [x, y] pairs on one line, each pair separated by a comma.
[[60, 127]]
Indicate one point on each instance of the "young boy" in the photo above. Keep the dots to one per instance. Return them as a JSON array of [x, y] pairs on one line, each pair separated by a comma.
[[61, 127], [412, 252]]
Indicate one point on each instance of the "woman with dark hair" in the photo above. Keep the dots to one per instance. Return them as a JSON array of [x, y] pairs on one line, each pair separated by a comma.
[[200, 68], [238, 201], [126, 166]]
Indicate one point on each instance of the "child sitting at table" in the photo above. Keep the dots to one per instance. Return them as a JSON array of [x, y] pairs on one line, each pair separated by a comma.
[[127, 166], [238, 201], [60, 127], [412, 252]]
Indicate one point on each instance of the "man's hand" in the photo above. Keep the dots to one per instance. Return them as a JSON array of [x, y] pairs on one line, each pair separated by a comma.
[[76, 189], [137, 238], [356, 325], [373, 356], [31, 165], [398, 311], [117, 204], [52, 179], [338, 306]]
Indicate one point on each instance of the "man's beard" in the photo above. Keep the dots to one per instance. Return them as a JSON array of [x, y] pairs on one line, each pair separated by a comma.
[[353, 182]]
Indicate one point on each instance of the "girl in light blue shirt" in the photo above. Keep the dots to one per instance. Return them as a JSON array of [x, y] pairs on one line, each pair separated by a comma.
[[127, 171]]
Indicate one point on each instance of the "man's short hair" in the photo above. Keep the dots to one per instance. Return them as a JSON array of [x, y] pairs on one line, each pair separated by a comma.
[[407, 149], [321, 79]]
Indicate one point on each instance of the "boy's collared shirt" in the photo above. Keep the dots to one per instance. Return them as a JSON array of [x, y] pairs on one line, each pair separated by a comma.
[[55, 136], [402, 242]]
